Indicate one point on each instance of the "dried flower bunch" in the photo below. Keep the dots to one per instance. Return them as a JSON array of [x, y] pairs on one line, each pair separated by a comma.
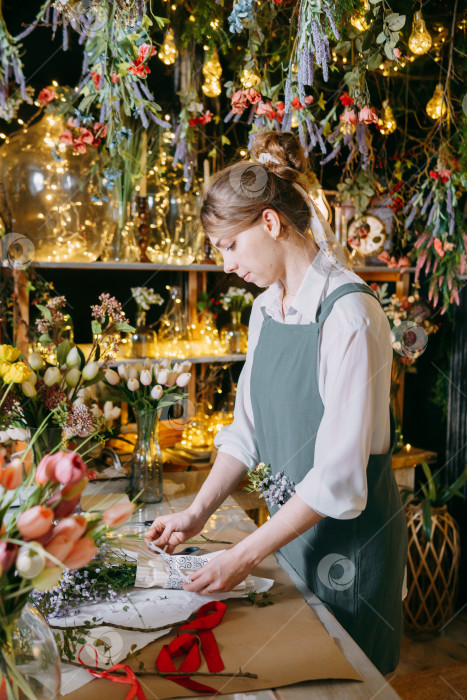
[[276, 489]]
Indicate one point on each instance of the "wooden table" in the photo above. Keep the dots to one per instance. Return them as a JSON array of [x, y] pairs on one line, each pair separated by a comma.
[[230, 514]]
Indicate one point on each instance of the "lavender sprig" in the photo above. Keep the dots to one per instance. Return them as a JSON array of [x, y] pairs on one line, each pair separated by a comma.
[[275, 488]]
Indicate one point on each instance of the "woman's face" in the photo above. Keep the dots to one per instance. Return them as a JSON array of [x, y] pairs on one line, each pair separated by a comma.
[[255, 254]]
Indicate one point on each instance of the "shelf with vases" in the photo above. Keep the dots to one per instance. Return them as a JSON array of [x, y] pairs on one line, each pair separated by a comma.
[[201, 359], [135, 266]]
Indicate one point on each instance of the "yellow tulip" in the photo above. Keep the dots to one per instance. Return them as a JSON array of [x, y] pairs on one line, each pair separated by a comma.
[[9, 353], [17, 373], [4, 367]]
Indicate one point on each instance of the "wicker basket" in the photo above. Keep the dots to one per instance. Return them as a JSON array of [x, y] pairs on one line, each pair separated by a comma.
[[432, 570]]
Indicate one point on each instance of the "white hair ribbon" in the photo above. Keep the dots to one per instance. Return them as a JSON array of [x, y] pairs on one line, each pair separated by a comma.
[[267, 158]]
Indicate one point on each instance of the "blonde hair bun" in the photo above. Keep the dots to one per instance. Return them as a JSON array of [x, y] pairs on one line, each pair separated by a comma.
[[290, 162]]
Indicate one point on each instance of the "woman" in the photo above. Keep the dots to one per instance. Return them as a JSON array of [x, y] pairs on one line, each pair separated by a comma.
[[312, 400]]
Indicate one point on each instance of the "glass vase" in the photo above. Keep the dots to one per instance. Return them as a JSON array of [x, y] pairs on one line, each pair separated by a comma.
[[143, 340], [146, 460], [29, 660], [234, 336]]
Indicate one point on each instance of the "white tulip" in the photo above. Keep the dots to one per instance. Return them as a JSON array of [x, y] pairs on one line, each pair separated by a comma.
[[183, 379], [145, 377], [165, 362], [171, 378], [32, 379], [121, 369], [112, 377], [52, 376], [96, 411], [156, 392], [138, 366], [90, 370], [108, 406], [177, 367], [132, 373], [133, 384], [29, 389], [112, 414], [162, 376], [185, 366], [73, 359], [4, 437], [21, 434], [147, 363], [73, 376], [28, 562], [35, 361]]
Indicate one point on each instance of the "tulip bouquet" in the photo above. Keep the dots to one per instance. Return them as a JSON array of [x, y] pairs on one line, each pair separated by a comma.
[[236, 299], [41, 539]]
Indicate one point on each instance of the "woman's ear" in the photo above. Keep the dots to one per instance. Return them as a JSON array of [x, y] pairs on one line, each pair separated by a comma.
[[272, 223]]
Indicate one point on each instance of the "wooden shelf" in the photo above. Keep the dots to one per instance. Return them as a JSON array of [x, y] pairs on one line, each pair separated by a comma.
[[124, 266], [411, 458], [193, 360]]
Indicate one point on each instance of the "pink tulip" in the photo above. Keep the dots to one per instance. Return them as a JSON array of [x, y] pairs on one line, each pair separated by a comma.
[[66, 137], [62, 508], [396, 53], [368, 115], [349, 117], [12, 475], [59, 547], [81, 554], [117, 515], [73, 528], [46, 95], [63, 467], [35, 522], [8, 553]]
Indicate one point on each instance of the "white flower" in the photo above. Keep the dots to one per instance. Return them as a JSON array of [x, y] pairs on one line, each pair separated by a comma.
[[396, 345], [177, 367], [4, 437], [52, 376], [138, 366], [73, 358], [122, 370], [183, 379], [164, 362], [96, 411], [411, 299], [111, 412], [73, 376], [147, 363], [132, 373], [162, 376], [185, 366], [21, 434], [397, 322], [145, 377], [35, 361], [156, 392], [112, 377], [90, 370], [28, 389], [145, 297], [133, 384], [171, 378]]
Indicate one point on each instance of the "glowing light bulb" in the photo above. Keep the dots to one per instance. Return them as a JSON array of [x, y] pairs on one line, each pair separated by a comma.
[[212, 71], [358, 19], [387, 124], [294, 122], [420, 39], [436, 107], [249, 78], [168, 52]]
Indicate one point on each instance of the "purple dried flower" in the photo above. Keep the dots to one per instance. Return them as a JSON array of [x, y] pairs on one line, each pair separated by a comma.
[[427, 202]]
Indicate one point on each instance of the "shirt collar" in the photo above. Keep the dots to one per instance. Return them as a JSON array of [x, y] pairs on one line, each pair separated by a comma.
[[308, 297]]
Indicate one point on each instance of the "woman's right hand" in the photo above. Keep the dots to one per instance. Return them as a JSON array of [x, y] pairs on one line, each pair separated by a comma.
[[170, 530]]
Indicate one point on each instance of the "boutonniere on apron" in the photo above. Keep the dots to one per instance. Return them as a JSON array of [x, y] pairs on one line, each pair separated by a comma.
[[275, 488]]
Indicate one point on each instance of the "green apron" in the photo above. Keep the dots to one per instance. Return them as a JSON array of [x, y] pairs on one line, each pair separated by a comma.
[[355, 566]]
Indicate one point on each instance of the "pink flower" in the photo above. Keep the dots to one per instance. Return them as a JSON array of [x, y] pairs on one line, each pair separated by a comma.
[[368, 115], [404, 262], [206, 118], [8, 554], [115, 78], [396, 52], [438, 246], [83, 551], [100, 129], [46, 95], [239, 102], [72, 123], [384, 256], [86, 135], [145, 51], [445, 174], [73, 490], [74, 527], [280, 109], [309, 99], [118, 515], [60, 547], [66, 137], [79, 146], [62, 508], [35, 522], [252, 95], [62, 467], [349, 117], [139, 69], [265, 108], [12, 475]]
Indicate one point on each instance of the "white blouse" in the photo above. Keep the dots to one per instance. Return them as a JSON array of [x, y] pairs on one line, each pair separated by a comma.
[[355, 359]]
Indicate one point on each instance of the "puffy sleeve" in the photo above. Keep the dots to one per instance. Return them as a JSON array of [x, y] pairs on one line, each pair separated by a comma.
[[356, 394], [239, 438]]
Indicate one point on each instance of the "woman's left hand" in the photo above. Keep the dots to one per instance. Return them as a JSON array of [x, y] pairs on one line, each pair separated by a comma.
[[221, 574]]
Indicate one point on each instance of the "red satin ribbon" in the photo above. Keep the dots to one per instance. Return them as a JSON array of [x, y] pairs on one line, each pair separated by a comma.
[[129, 678], [207, 617]]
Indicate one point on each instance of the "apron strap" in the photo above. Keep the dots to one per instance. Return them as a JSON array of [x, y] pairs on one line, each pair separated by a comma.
[[265, 314], [326, 305]]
